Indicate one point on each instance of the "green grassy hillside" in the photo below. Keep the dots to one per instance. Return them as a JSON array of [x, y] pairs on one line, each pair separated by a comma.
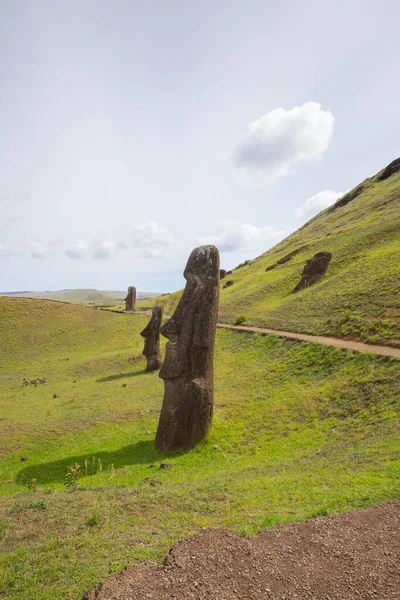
[[358, 298], [299, 430]]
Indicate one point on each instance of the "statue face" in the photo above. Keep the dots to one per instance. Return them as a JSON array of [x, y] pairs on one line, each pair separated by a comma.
[[188, 329]]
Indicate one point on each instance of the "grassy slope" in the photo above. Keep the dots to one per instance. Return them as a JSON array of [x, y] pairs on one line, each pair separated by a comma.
[[359, 297], [299, 430]]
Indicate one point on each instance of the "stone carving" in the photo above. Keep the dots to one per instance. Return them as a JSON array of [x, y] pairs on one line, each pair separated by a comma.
[[222, 273], [390, 170], [151, 334], [187, 371], [131, 298], [228, 283], [286, 258], [315, 269]]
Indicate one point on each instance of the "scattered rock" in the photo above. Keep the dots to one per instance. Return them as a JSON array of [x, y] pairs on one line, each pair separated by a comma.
[[228, 283], [148, 432], [152, 465], [23, 459], [314, 271], [34, 382], [165, 466], [56, 396], [155, 482]]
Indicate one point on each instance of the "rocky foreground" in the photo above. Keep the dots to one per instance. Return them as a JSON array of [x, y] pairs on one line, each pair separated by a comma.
[[353, 555]]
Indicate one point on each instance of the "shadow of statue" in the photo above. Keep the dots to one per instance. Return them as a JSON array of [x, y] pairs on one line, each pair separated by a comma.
[[54, 472], [121, 376]]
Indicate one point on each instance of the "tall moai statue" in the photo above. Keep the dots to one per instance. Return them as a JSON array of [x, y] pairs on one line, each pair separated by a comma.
[[151, 334], [188, 371], [131, 298]]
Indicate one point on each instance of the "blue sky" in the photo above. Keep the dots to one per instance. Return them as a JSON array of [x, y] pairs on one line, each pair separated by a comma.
[[133, 131]]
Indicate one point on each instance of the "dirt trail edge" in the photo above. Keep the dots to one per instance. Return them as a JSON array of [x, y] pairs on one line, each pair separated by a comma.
[[319, 339], [352, 555]]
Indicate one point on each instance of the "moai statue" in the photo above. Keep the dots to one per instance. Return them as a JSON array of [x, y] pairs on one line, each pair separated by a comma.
[[151, 334], [131, 298], [222, 273], [187, 371], [315, 269]]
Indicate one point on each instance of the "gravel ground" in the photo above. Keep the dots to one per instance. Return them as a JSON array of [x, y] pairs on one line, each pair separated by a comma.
[[353, 555]]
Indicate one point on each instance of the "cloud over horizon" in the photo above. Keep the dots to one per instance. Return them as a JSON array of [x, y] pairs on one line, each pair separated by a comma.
[[318, 202], [149, 239], [232, 236], [283, 138]]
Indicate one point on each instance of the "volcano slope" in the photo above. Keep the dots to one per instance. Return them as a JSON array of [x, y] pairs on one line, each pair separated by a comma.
[[358, 297], [300, 430]]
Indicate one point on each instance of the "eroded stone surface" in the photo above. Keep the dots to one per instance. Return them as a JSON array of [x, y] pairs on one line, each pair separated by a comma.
[[391, 169], [187, 371], [151, 334], [130, 300], [314, 271]]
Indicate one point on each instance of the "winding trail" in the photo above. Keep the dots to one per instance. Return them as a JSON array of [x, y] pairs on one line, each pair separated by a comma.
[[305, 337], [319, 339]]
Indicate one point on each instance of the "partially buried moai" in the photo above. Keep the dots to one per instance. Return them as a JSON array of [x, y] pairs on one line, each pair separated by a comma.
[[130, 300], [187, 371], [315, 269], [151, 334]]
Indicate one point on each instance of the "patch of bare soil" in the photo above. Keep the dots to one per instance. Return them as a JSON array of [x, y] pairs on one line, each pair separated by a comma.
[[353, 555]]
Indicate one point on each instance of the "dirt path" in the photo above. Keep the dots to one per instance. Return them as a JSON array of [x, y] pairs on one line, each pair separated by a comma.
[[351, 556], [319, 339]]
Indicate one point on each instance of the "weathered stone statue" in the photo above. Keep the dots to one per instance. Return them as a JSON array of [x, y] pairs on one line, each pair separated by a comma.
[[315, 269], [222, 273], [187, 371], [151, 334], [131, 298]]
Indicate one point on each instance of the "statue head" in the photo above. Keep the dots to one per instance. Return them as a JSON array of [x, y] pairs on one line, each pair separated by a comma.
[[151, 332], [191, 329]]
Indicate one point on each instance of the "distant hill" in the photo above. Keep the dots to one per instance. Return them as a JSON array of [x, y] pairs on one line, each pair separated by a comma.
[[359, 296], [83, 296]]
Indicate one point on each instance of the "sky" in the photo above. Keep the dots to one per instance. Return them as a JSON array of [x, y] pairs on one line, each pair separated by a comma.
[[133, 131]]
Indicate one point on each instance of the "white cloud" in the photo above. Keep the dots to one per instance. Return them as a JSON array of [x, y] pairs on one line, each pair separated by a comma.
[[104, 250], [283, 138], [232, 236], [43, 250], [151, 253], [316, 203], [77, 251], [9, 252], [147, 235]]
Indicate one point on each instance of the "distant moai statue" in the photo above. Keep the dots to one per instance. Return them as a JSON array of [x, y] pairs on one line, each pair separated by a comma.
[[187, 371], [130, 300], [316, 267], [151, 334], [222, 273]]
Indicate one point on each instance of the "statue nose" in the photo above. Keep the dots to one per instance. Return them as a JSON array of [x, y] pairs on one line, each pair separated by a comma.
[[170, 329]]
